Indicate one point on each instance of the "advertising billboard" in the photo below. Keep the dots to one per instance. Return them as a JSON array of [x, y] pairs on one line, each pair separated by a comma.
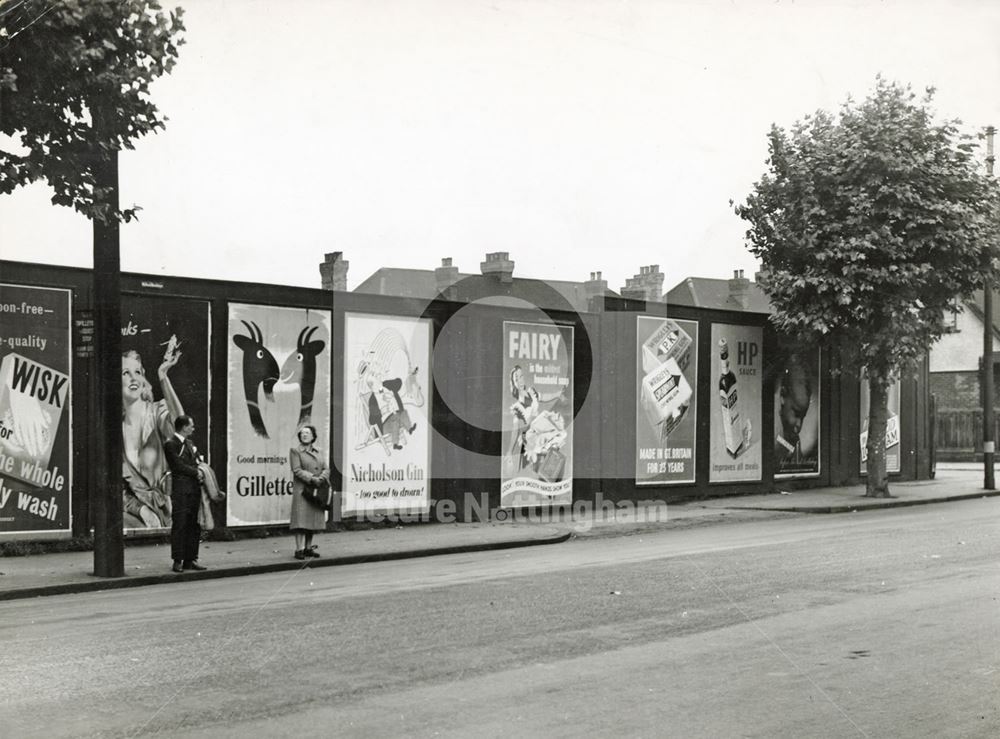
[[797, 413], [387, 418], [35, 410], [735, 422], [537, 423], [165, 374], [279, 380], [892, 460], [666, 400]]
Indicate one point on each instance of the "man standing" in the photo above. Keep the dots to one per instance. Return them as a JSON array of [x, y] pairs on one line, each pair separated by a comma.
[[185, 496]]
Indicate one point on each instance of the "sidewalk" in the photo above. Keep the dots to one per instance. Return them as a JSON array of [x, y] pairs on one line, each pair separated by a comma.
[[149, 564], [950, 484]]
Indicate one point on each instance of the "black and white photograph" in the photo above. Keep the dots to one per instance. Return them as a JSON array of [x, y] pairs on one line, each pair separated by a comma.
[[499, 368]]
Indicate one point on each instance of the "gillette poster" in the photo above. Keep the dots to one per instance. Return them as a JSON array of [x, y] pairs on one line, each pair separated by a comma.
[[891, 426], [735, 421], [537, 422], [35, 427], [387, 412], [279, 381], [666, 400]]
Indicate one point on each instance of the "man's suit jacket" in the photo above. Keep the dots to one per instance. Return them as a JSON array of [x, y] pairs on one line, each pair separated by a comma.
[[183, 467]]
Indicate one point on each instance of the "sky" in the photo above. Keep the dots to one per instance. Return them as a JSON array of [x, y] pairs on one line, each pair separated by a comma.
[[577, 135]]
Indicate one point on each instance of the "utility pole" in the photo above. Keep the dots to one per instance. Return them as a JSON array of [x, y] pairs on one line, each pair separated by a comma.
[[988, 481], [106, 499]]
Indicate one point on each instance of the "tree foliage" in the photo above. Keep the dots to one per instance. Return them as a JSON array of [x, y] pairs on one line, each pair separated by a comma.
[[869, 223], [74, 87]]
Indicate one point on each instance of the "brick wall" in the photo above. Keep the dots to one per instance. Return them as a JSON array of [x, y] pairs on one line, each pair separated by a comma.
[[956, 390]]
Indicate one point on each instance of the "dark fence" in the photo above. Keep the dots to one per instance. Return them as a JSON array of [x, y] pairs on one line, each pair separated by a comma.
[[959, 433]]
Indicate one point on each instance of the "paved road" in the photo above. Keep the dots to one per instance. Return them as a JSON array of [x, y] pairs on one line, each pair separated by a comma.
[[883, 623]]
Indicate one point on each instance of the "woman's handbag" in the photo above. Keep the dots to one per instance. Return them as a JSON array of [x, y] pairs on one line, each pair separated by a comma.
[[319, 495]]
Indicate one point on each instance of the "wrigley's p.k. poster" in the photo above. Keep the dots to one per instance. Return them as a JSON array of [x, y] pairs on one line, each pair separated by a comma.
[[666, 400]]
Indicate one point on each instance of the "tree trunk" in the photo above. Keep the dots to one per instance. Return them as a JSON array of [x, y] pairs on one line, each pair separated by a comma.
[[109, 540], [877, 485]]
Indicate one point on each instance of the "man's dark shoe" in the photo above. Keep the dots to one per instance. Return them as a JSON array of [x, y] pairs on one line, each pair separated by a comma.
[[194, 566], [178, 567]]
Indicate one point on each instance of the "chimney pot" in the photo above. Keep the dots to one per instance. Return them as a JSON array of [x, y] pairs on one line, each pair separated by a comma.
[[739, 290], [498, 264]]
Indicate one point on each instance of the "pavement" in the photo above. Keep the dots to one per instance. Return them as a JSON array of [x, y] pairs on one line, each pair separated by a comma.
[[149, 563]]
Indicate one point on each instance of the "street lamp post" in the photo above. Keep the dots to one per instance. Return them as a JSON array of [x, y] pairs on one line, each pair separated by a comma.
[[988, 481]]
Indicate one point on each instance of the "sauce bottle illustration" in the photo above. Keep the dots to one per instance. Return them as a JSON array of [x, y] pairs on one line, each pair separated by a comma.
[[731, 416]]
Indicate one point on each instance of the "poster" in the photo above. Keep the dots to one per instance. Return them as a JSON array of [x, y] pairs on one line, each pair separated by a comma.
[[537, 425], [735, 420], [666, 400], [35, 412], [279, 380], [165, 374], [891, 426], [797, 413], [387, 394]]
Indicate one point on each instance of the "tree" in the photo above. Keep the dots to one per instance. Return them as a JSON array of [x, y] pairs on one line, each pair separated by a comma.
[[868, 224], [74, 91]]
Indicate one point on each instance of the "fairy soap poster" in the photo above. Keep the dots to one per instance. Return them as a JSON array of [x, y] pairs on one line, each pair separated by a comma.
[[537, 464], [386, 435], [35, 428], [279, 380]]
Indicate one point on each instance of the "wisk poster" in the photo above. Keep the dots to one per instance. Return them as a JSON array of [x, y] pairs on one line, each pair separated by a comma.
[[165, 374], [797, 413], [537, 402], [387, 394], [35, 427], [735, 425], [279, 381], [891, 426], [666, 400]]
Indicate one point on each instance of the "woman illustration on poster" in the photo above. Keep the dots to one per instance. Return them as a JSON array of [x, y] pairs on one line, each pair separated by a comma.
[[538, 431], [145, 426]]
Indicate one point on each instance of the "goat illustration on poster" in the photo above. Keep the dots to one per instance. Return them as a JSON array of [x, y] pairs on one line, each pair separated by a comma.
[[279, 380]]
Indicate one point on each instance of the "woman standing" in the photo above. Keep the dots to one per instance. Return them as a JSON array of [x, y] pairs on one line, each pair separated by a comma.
[[308, 468]]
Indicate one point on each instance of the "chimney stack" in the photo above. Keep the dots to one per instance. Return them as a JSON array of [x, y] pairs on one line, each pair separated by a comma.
[[595, 289], [739, 290], [333, 271], [445, 278], [647, 285], [499, 264]]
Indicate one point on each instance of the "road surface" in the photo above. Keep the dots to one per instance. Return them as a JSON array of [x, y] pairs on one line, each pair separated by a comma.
[[883, 623]]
